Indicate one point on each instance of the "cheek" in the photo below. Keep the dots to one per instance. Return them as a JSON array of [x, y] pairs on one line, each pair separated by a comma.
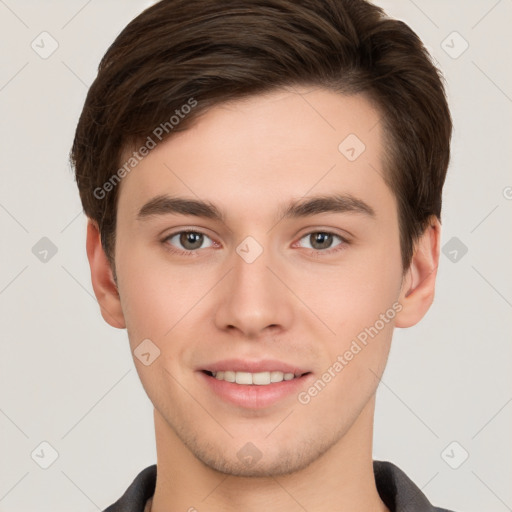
[[360, 309], [360, 304], [153, 298], [356, 295]]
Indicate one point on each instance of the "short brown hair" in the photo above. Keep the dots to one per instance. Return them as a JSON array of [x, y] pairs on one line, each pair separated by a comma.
[[214, 52]]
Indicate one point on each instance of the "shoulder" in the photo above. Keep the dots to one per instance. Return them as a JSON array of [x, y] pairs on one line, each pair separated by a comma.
[[398, 491], [140, 490]]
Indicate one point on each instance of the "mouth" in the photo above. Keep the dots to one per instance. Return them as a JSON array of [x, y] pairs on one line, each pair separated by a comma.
[[253, 385], [254, 379]]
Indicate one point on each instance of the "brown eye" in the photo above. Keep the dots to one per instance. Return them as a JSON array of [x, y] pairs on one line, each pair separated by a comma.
[[187, 241], [191, 240], [323, 241]]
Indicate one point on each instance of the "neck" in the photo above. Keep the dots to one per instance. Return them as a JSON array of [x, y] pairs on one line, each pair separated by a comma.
[[341, 479]]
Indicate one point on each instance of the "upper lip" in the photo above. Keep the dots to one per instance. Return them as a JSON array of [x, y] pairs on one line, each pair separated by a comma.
[[255, 366]]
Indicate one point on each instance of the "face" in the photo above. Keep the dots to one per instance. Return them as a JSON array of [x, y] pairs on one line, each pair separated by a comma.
[[254, 285]]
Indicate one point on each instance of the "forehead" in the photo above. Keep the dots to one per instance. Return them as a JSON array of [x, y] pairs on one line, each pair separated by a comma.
[[252, 153]]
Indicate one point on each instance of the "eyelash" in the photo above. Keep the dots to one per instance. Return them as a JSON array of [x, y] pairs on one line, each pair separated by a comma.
[[193, 253]]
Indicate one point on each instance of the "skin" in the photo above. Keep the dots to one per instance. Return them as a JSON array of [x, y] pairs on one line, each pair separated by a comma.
[[293, 304]]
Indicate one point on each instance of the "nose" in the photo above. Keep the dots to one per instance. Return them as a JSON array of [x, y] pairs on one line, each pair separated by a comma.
[[253, 301]]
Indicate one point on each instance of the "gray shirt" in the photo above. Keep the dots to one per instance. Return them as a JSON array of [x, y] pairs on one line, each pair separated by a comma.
[[395, 488]]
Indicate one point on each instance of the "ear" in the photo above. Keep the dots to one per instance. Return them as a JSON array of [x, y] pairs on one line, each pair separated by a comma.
[[102, 279], [418, 286]]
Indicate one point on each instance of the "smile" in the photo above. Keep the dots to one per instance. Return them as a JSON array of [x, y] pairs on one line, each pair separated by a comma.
[[258, 379]]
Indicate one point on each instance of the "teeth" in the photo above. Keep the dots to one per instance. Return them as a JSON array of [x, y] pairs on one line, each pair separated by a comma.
[[259, 379], [243, 378], [229, 376], [276, 376]]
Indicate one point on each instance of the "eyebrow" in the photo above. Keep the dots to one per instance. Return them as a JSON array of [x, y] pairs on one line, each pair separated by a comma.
[[335, 203]]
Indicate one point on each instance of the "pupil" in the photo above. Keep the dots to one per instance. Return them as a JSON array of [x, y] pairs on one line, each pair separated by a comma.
[[322, 239], [190, 238]]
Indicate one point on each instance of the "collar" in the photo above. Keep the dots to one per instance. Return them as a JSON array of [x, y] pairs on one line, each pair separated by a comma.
[[395, 488]]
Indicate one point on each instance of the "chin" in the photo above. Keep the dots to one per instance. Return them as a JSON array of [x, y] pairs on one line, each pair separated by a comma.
[[271, 461]]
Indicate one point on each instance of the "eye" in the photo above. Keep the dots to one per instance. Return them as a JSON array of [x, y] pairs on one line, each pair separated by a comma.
[[323, 241], [190, 241]]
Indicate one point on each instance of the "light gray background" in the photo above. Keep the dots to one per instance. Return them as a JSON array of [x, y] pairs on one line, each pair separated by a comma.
[[67, 378]]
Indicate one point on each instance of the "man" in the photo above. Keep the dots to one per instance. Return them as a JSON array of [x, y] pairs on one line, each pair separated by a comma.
[[263, 184]]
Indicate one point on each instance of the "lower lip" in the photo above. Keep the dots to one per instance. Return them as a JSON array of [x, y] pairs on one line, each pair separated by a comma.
[[254, 396]]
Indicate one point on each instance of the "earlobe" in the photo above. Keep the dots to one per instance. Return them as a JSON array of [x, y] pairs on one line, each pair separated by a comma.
[[418, 285], [102, 279]]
